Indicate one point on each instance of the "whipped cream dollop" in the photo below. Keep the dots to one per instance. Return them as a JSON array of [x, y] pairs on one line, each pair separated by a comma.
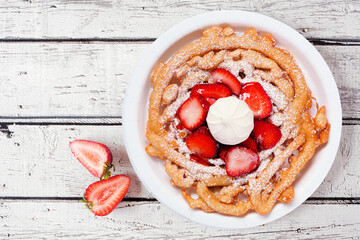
[[230, 120]]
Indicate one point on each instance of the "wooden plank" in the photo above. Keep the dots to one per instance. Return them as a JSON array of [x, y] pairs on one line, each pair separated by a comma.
[[51, 79], [35, 156], [89, 79], [129, 19], [64, 120], [343, 61], [150, 220], [48, 162]]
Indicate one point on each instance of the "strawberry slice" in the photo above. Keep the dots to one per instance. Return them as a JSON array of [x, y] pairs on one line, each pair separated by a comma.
[[257, 99], [192, 113], [180, 126], [103, 196], [225, 77], [240, 160], [95, 157], [198, 159], [202, 143], [216, 90], [266, 134], [224, 150], [211, 100], [249, 143]]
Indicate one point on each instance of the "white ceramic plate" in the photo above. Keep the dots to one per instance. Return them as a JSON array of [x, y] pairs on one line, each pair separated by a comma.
[[151, 171]]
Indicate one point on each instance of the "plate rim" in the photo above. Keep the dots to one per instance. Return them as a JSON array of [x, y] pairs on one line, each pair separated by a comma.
[[170, 37]]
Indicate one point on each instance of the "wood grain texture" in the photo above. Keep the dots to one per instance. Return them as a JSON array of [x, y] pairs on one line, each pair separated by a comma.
[[151, 220], [127, 19], [90, 79], [39, 156], [64, 68], [43, 79]]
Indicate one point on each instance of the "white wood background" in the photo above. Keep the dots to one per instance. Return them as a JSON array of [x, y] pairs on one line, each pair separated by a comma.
[[64, 67]]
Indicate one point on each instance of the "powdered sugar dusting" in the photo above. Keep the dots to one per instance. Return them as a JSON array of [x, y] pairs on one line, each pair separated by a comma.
[[217, 162], [192, 75], [171, 110], [242, 180], [275, 94], [277, 118]]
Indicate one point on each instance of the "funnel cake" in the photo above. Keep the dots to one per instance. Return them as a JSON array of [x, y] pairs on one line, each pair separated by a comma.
[[249, 58]]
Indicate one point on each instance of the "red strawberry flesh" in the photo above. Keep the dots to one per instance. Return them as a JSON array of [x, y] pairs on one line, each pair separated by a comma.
[[240, 160], [95, 157], [216, 90], [266, 134], [103, 196], [198, 159], [225, 77], [180, 126], [211, 100], [192, 113], [224, 150], [201, 143], [257, 99], [249, 143]]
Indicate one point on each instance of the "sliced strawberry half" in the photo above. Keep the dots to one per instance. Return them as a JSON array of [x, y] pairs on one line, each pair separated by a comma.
[[257, 99], [249, 143], [266, 134], [103, 196], [224, 150], [216, 90], [240, 160], [192, 113], [198, 159], [95, 157], [211, 100], [225, 77], [202, 143], [179, 126]]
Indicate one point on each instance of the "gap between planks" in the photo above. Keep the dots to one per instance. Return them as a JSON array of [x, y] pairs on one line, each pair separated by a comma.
[[314, 41], [309, 201]]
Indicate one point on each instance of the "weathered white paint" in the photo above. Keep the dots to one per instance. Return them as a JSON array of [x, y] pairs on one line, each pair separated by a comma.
[[89, 79], [45, 160], [149, 19], [68, 79], [39, 156], [150, 220], [85, 79]]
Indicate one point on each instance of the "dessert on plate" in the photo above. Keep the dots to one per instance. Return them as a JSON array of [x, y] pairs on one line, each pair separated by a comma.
[[229, 114]]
